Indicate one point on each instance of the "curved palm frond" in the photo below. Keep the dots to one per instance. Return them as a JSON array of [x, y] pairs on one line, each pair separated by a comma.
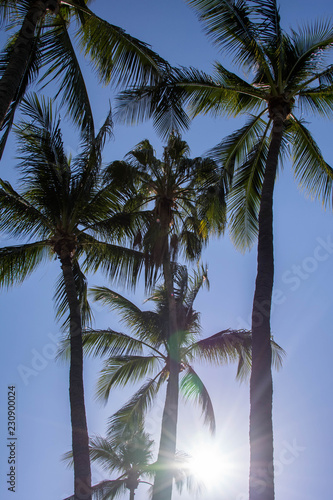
[[58, 55], [61, 298], [19, 261], [192, 388], [116, 55], [122, 370], [230, 27], [314, 175], [18, 216], [121, 264], [245, 195], [30, 74], [106, 490], [146, 325], [129, 417]]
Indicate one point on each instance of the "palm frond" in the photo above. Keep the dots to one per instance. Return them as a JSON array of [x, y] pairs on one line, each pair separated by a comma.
[[223, 347], [118, 263], [18, 217], [122, 370], [313, 174], [30, 74], [18, 262], [59, 55], [146, 325], [318, 100], [229, 25], [132, 413], [115, 55], [61, 299], [106, 490], [163, 102], [192, 388]]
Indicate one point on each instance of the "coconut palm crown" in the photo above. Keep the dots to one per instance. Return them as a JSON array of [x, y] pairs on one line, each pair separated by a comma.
[[182, 197], [129, 458]]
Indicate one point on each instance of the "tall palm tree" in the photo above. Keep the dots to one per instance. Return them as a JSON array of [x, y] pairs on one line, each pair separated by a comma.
[[44, 41], [130, 458], [287, 74], [177, 194], [64, 214], [148, 353]]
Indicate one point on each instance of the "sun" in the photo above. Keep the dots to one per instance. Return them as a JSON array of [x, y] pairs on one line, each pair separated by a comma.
[[209, 465]]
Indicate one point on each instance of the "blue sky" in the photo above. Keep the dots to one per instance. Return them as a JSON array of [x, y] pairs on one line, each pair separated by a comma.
[[301, 321]]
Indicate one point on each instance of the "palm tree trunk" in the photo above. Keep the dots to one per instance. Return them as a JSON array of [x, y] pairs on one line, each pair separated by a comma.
[[162, 489], [80, 439], [19, 58], [261, 387], [132, 494]]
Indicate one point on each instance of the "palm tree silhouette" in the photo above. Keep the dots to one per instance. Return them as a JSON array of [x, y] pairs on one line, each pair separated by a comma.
[[64, 213]]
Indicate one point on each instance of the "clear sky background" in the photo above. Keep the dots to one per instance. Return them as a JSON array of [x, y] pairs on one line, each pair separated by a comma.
[[301, 321]]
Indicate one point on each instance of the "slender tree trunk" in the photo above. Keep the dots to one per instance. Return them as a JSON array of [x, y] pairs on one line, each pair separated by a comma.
[[261, 387], [19, 59], [80, 439], [132, 494], [162, 489]]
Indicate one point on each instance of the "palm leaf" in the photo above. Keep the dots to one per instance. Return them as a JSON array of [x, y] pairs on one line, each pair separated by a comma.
[[122, 370], [18, 262], [146, 325], [115, 55], [30, 74], [18, 217], [193, 388], [314, 175], [163, 102], [119, 263], [59, 55], [223, 347], [106, 490], [229, 26], [245, 196], [61, 299], [318, 100], [132, 413]]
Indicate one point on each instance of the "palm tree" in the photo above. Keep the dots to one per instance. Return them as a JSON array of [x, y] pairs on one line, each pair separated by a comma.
[[287, 74], [61, 210], [44, 41], [149, 353], [182, 212], [129, 457]]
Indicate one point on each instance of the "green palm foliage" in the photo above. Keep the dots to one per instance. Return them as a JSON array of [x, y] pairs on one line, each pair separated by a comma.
[[288, 76], [183, 200], [62, 212], [148, 355], [43, 40], [129, 458]]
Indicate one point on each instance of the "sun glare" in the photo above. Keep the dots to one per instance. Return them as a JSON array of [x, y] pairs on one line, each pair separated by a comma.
[[209, 465]]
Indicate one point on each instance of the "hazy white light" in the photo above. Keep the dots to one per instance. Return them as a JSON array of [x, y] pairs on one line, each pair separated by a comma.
[[209, 465]]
